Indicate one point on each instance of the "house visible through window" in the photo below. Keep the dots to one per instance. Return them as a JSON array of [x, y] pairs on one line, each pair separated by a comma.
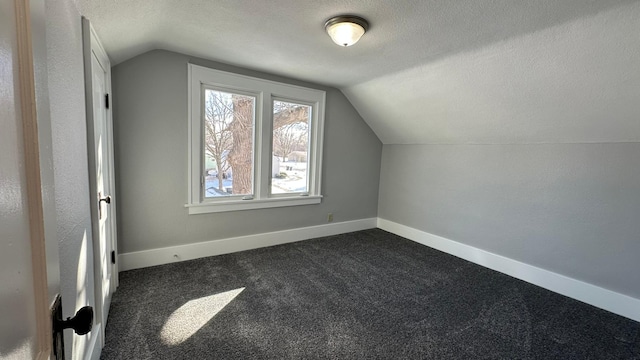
[[253, 143]]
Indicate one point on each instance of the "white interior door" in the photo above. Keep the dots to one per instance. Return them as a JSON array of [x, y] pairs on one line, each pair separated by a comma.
[[100, 145], [26, 240], [102, 184]]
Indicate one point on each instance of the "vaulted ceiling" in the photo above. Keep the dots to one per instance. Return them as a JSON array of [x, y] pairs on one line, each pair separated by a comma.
[[452, 72]]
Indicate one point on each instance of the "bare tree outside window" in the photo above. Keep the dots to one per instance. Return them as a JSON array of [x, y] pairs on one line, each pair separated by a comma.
[[291, 123], [218, 114], [288, 138], [241, 154], [228, 129], [229, 121]]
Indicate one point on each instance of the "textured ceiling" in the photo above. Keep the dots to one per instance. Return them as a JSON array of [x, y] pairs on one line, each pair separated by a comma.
[[458, 71]]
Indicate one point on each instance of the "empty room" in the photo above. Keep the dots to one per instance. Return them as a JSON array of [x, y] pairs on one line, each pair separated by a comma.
[[320, 180]]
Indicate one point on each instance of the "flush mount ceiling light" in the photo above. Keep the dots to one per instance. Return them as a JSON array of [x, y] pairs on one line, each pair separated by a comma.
[[346, 30]]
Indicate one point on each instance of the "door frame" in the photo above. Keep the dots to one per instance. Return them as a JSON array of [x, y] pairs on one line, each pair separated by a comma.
[[91, 46], [38, 210]]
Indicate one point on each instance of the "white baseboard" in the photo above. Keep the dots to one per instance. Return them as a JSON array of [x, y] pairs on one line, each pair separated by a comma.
[[140, 259], [614, 302]]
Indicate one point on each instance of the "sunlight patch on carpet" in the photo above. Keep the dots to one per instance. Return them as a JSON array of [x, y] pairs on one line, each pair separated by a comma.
[[190, 317]]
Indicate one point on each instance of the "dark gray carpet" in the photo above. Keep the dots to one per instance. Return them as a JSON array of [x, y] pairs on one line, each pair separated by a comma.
[[364, 295]]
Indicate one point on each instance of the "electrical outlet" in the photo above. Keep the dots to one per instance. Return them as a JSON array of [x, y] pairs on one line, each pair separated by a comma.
[[330, 217]]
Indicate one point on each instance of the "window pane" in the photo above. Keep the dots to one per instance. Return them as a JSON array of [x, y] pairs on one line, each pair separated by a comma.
[[228, 143], [291, 123]]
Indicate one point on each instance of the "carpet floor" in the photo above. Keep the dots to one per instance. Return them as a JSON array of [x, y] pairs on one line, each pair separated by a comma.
[[363, 295]]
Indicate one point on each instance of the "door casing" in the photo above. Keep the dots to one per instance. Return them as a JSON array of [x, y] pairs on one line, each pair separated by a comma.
[[30, 264], [96, 59]]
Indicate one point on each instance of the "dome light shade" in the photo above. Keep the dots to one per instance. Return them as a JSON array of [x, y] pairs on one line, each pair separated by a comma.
[[346, 30]]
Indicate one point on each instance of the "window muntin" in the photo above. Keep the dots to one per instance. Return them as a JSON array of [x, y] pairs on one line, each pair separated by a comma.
[[290, 143], [265, 95], [228, 143]]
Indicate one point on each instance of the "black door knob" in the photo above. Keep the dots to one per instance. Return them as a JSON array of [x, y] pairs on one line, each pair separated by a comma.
[[81, 323], [106, 199]]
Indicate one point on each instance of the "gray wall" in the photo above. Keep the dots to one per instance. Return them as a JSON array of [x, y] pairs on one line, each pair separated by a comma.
[[69, 138], [150, 125], [573, 209]]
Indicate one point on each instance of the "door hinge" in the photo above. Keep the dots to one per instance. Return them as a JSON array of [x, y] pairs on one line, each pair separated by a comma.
[[106, 100], [113, 257]]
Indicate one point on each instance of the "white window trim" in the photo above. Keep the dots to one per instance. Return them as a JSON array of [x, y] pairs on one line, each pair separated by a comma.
[[265, 91]]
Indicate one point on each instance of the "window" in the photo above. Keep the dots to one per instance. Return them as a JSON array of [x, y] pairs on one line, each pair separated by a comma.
[[253, 143], [290, 143]]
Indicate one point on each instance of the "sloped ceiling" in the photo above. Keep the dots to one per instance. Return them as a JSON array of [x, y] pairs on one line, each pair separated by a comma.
[[446, 72]]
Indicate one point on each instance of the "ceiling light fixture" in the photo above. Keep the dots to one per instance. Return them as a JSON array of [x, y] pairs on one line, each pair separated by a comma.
[[346, 30]]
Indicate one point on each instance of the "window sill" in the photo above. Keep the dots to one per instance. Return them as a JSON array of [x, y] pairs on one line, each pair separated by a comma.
[[237, 205]]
